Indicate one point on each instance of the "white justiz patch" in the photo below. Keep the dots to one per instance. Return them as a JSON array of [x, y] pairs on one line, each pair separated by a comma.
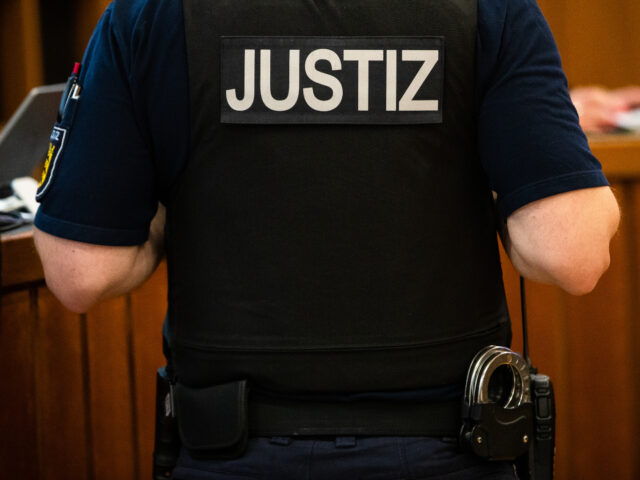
[[324, 81]]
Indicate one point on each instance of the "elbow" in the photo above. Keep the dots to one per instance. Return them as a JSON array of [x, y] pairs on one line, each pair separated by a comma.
[[582, 264], [564, 239], [73, 295], [76, 304], [576, 272], [580, 277], [77, 288], [80, 274]]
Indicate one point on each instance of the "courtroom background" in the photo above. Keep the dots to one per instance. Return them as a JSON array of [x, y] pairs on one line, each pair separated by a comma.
[[77, 391]]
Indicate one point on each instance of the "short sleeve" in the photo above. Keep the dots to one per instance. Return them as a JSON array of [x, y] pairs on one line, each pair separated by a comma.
[[529, 139], [129, 134]]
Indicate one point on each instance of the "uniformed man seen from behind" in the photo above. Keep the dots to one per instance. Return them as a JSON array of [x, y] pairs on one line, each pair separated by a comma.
[[327, 168]]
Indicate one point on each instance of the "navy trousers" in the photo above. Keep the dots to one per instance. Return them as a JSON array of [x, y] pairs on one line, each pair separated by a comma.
[[347, 458]]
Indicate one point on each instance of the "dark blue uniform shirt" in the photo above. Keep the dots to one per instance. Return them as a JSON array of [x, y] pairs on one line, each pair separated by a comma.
[[129, 139]]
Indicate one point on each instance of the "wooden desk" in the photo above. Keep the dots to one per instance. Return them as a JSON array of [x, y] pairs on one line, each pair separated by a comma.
[[78, 390], [619, 154], [20, 263], [78, 393]]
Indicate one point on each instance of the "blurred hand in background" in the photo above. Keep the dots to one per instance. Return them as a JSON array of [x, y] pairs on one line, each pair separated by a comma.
[[598, 108]]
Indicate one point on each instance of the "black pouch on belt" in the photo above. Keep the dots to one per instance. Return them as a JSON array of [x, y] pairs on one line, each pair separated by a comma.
[[213, 421]]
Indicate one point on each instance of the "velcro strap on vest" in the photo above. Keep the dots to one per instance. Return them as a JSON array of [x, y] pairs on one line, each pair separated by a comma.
[[272, 416]]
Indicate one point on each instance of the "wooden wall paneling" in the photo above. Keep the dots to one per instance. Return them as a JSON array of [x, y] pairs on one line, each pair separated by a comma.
[[18, 419], [556, 14], [603, 43], [62, 400], [21, 52], [32, 49], [547, 329], [111, 390], [148, 307], [87, 13], [545, 307], [597, 40], [634, 333], [603, 410], [547, 319]]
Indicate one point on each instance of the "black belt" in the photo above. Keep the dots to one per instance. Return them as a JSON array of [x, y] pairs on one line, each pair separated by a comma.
[[273, 416], [216, 422]]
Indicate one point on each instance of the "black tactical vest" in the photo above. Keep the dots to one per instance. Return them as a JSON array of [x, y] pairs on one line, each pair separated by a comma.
[[333, 230]]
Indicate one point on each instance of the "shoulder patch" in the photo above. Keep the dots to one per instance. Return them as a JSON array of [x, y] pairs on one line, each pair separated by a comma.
[[56, 145]]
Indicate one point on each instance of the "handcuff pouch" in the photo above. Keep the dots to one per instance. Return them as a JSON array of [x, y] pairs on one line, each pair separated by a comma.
[[213, 421]]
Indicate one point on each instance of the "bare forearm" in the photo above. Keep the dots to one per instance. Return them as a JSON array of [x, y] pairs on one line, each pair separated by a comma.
[[81, 274], [564, 239]]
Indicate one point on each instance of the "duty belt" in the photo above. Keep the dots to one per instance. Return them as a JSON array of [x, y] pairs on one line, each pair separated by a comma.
[[217, 421]]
